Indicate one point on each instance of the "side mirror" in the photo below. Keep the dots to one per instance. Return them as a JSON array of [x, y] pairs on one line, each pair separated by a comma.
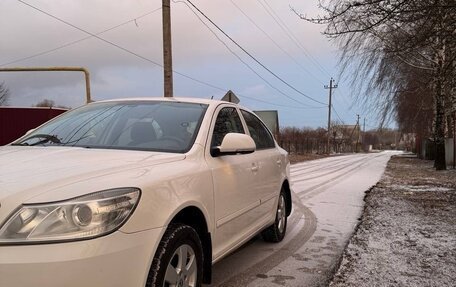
[[234, 143]]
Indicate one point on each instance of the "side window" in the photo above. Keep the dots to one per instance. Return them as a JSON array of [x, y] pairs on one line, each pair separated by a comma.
[[228, 121], [260, 134]]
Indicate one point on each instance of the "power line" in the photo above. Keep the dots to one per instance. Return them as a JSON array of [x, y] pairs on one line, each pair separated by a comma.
[[246, 64], [240, 59], [251, 56], [79, 40], [275, 104], [135, 54], [344, 98], [120, 47], [337, 114], [291, 36], [306, 52], [275, 43], [91, 34], [339, 102]]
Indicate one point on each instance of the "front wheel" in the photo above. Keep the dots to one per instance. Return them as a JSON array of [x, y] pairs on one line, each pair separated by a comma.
[[276, 232], [178, 261]]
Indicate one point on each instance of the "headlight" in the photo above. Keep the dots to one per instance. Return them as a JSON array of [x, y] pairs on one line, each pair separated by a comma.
[[84, 217]]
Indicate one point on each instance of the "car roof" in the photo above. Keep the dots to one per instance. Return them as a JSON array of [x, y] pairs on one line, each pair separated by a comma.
[[173, 99]]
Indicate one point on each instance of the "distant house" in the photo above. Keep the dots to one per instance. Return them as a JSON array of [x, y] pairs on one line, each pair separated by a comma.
[[348, 133], [345, 137]]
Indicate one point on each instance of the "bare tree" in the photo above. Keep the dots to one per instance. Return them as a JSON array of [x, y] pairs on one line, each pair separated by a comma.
[[45, 103], [414, 112], [4, 94], [49, 103], [385, 40]]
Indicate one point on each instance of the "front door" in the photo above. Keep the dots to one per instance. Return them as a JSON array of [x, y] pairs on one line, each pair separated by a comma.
[[234, 178]]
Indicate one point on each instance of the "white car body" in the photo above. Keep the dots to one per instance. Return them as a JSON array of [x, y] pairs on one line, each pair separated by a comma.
[[236, 195]]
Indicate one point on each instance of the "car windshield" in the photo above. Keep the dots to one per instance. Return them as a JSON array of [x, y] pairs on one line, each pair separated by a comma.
[[150, 125]]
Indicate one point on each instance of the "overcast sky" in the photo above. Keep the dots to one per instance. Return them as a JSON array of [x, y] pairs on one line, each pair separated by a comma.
[[290, 47]]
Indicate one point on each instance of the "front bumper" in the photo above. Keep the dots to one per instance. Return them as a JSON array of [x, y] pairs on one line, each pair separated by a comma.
[[118, 259]]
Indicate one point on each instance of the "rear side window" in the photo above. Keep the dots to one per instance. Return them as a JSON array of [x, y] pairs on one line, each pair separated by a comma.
[[228, 121], [258, 131]]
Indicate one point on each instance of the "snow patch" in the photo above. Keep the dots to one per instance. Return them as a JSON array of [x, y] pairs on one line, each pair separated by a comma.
[[420, 188]]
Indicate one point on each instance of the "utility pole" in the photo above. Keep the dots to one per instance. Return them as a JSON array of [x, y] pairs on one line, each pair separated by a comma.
[[330, 87], [167, 51], [364, 135], [359, 128]]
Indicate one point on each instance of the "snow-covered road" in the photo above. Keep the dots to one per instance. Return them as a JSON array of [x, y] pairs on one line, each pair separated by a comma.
[[328, 200]]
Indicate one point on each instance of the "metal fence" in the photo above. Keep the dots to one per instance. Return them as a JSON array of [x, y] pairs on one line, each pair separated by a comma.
[[15, 122]]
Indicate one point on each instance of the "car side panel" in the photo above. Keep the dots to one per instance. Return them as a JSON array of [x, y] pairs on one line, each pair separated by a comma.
[[187, 184], [237, 200], [270, 179]]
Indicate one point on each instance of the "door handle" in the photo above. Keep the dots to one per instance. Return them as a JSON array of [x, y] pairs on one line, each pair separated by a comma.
[[254, 167], [279, 162]]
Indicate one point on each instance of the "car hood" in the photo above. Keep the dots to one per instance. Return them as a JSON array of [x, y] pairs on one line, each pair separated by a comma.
[[26, 172]]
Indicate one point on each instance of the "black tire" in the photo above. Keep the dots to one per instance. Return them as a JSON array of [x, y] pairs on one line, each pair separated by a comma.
[[276, 232], [185, 239]]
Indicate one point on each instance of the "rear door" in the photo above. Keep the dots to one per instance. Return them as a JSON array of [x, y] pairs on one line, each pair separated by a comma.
[[269, 162]]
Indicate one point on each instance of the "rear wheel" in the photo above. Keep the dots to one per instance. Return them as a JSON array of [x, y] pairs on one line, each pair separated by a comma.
[[276, 232], [178, 261]]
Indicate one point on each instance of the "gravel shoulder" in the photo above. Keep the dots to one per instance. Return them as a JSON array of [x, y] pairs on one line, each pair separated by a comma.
[[407, 233]]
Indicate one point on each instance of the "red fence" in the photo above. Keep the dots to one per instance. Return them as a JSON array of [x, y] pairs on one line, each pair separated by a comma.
[[15, 122]]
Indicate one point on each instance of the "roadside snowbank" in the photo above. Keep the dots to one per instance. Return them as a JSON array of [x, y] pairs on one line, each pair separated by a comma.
[[407, 234]]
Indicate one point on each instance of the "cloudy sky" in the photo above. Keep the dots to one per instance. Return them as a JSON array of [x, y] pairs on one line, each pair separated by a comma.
[[128, 62]]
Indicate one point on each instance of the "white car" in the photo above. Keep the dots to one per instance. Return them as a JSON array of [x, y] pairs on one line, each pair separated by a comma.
[[138, 192]]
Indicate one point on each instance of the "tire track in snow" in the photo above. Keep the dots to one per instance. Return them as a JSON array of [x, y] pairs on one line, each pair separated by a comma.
[[330, 170], [322, 187], [321, 162], [328, 165]]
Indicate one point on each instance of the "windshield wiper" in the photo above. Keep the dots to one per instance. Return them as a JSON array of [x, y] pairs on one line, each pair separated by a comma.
[[45, 138]]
